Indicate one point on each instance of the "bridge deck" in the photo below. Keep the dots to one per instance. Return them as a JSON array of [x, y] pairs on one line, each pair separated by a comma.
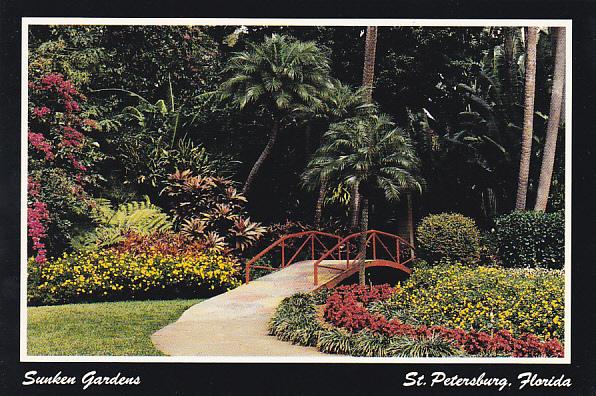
[[235, 323]]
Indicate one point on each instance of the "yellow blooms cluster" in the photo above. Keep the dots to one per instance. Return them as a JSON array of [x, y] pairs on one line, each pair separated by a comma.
[[484, 299], [109, 275]]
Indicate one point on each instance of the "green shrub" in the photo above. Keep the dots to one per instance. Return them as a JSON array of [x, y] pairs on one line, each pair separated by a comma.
[[448, 237], [531, 239]]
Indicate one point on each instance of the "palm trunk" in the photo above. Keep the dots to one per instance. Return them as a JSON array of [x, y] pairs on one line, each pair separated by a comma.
[[363, 236], [368, 76], [355, 206], [552, 130], [320, 201], [368, 73], [264, 155], [510, 91], [526, 149]]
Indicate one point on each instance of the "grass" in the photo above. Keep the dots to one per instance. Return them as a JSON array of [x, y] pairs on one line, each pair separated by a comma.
[[104, 329]]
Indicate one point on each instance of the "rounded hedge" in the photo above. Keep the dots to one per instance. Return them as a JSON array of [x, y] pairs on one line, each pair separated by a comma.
[[531, 239], [448, 237]]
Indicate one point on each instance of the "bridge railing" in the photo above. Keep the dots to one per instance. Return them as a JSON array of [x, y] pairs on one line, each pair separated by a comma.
[[316, 241], [381, 245]]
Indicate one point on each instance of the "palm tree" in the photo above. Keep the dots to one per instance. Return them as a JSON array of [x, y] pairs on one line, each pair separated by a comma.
[[368, 76], [277, 76], [370, 152], [550, 145], [526, 149], [339, 102]]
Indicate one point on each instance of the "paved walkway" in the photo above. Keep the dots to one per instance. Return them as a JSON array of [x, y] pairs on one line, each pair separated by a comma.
[[235, 323]]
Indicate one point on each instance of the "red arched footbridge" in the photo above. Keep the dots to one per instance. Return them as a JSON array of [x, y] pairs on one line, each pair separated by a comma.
[[337, 257]]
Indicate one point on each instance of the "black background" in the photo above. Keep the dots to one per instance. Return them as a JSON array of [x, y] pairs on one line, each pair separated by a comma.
[[303, 379]]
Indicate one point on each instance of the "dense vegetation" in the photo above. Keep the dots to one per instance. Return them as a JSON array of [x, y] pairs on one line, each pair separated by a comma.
[[114, 111], [162, 157]]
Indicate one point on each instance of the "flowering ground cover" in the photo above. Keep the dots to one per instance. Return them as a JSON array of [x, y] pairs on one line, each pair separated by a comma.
[[482, 298], [110, 275], [382, 321]]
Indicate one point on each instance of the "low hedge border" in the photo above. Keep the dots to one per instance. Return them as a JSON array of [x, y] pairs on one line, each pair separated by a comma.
[[299, 319]]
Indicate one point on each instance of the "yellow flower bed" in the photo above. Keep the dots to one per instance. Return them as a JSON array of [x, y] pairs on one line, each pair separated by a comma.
[[482, 298], [108, 275]]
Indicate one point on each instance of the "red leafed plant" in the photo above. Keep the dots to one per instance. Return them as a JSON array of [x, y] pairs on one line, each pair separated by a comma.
[[347, 308], [164, 243]]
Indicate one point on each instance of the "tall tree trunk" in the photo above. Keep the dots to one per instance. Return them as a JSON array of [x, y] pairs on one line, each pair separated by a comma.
[[510, 85], [552, 130], [368, 77], [355, 204], [320, 201], [264, 155], [368, 73], [526, 149], [363, 229]]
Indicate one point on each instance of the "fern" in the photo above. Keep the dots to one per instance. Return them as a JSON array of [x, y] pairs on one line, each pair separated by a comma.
[[141, 217]]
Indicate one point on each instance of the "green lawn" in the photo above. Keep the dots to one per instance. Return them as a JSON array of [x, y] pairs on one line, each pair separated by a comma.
[[105, 329]]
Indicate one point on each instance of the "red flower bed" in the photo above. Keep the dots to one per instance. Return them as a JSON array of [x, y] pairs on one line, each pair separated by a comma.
[[347, 308]]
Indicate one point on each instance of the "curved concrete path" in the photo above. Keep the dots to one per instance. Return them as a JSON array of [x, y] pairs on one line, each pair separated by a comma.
[[235, 323]]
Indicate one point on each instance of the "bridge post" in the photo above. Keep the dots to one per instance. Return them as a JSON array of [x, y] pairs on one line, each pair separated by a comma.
[[347, 254], [283, 254], [374, 243], [312, 247], [397, 252]]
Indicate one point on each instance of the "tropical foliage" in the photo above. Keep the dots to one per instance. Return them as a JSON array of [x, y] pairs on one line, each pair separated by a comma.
[[211, 209], [276, 76], [370, 152], [112, 225]]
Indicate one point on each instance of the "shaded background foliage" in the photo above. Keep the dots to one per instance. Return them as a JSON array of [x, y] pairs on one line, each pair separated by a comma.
[[148, 89]]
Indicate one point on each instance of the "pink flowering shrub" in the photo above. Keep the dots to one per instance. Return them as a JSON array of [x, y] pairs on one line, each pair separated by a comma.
[[61, 156], [37, 217]]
